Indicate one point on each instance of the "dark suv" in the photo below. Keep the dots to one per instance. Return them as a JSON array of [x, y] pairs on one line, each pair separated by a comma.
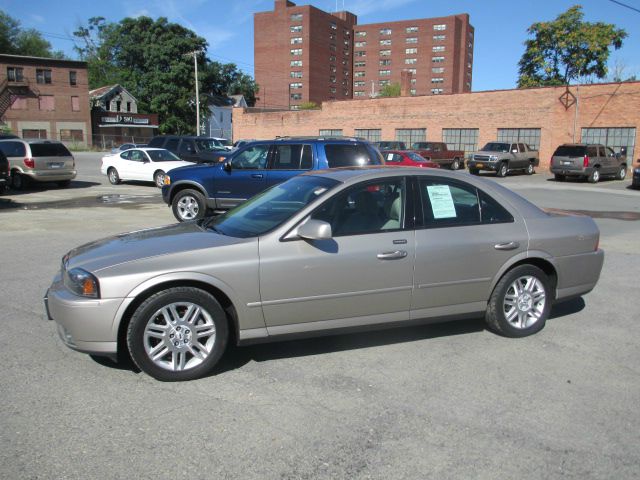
[[587, 161], [191, 148], [4, 171], [191, 191]]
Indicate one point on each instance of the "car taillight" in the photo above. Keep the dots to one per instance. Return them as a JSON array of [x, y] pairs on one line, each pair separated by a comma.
[[30, 162], [585, 161]]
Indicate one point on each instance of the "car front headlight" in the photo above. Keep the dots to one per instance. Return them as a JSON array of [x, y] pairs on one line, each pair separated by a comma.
[[81, 282], [493, 158]]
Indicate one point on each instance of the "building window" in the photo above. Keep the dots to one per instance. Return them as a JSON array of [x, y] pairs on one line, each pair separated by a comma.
[[384, 83], [73, 78], [386, 62], [619, 139], [410, 51], [330, 132], [18, 102], [413, 81], [437, 59], [296, 17], [437, 80], [33, 133], [411, 135], [361, 34], [15, 74], [68, 135], [359, 83], [47, 102], [530, 136], [385, 42], [332, 47], [296, 40], [296, 51], [438, 48], [296, 74], [332, 37], [412, 29], [384, 73], [118, 106], [359, 74], [439, 38], [332, 89], [385, 53], [345, 73], [295, 85], [75, 104], [296, 96], [441, 26], [436, 91], [296, 63], [465, 139], [296, 28], [332, 79], [371, 134], [333, 25], [413, 71], [332, 58], [437, 70], [359, 64], [43, 75], [412, 40], [361, 44], [412, 91], [358, 93], [385, 31], [410, 61]]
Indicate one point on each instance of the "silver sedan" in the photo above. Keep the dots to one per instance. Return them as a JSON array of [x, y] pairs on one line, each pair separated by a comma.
[[324, 251]]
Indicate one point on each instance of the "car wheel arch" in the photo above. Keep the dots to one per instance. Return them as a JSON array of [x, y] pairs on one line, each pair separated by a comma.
[[542, 261], [149, 288], [178, 187]]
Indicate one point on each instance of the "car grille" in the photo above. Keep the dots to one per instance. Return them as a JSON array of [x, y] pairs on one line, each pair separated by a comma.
[[481, 158]]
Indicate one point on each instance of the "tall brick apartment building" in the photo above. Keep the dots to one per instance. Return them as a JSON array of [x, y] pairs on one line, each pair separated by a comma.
[[45, 98], [305, 54]]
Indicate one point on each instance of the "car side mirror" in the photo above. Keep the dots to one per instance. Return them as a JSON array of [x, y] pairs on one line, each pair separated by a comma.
[[227, 166], [315, 230]]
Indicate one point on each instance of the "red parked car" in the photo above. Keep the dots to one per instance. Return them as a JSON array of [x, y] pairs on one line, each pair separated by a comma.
[[407, 158]]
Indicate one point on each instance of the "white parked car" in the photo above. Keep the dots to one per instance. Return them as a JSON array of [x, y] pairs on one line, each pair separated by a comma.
[[145, 164]]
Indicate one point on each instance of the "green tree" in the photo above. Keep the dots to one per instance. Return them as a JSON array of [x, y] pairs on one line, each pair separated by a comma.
[[154, 60], [16, 41], [390, 90], [566, 49]]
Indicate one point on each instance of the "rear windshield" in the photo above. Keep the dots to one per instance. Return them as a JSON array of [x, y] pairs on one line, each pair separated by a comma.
[[49, 150], [569, 151], [344, 155]]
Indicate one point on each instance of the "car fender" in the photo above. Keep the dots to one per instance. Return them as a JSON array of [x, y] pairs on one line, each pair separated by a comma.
[[185, 183], [520, 258]]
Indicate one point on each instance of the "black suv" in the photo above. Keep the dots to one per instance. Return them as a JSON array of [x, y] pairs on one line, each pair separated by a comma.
[[4, 171], [191, 148]]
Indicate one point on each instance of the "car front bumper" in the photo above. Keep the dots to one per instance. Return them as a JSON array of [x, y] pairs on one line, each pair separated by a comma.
[[85, 325], [483, 165]]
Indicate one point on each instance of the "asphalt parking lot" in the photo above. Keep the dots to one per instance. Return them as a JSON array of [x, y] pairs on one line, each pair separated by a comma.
[[445, 401]]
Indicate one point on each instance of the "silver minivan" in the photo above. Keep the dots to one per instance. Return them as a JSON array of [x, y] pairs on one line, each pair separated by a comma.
[[38, 160]]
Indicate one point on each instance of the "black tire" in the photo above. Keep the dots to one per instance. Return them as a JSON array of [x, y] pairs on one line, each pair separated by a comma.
[[594, 176], [502, 170], [530, 170], [559, 177], [495, 316], [64, 183], [19, 181], [177, 338], [188, 204], [474, 171], [455, 165], [158, 178], [113, 176], [622, 173]]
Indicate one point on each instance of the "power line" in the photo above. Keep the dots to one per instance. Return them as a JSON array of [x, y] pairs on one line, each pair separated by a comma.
[[625, 5]]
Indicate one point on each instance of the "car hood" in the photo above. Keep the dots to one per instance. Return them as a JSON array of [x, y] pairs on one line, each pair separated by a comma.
[[192, 171], [153, 242], [166, 166]]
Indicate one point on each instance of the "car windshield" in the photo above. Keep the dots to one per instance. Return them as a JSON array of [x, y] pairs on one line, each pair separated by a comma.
[[415, 157], [208, 145], [269, 209], [421, 146], [162, 156], [496, 147], [224, 142]]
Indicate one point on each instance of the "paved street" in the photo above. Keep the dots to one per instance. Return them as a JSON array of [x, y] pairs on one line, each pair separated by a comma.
[[446, 401]]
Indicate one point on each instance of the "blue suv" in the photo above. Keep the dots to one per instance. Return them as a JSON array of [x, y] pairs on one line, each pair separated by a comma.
[[192, 191]]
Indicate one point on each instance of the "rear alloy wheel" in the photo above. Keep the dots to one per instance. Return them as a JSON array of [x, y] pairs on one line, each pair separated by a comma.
[[113, 176], [530, 170], [594, 177], [622, 173], [456, 164], [188, 205], [18, 181], [158, 178], [178, 334], [503, 170], [559, 177], [520, 302]]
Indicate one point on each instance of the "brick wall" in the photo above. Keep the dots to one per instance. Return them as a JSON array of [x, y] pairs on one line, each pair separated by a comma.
[[603, 105]]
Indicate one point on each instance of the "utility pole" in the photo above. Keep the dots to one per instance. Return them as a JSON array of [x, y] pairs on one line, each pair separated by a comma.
[[195, 67]]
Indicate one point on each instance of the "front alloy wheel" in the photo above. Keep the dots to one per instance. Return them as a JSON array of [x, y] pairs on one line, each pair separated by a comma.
[[502, 170], [158, 178], [188, 205]]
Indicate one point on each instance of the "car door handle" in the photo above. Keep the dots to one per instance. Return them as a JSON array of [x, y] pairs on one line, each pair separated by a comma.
[[392, 255], [257, 175], [506, 246]]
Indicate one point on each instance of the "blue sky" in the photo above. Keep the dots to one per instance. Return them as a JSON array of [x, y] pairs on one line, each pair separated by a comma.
[[500, 25]]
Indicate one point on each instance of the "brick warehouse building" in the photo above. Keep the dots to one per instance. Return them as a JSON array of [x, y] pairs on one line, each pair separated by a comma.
[[302, 54], [543, 117], [45, 98]]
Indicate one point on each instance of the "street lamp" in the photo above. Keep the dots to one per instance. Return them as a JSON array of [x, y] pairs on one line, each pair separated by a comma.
[[195, 66]]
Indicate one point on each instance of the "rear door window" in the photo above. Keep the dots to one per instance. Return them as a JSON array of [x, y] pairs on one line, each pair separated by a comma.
[[172, 144], [49, 150], [347, 155], [292, 157], [521, 148], [592, 151], [187, 147]]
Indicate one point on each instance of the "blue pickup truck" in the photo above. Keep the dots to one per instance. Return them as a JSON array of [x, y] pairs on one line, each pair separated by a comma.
[[193, 191]]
